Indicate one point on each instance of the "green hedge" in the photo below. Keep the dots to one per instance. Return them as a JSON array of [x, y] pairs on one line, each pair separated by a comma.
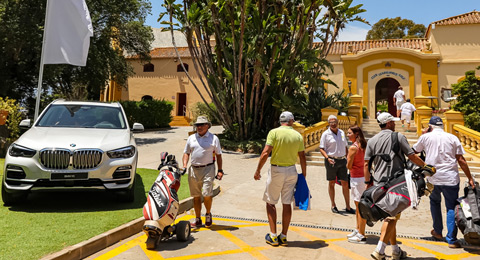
[[151, 113]]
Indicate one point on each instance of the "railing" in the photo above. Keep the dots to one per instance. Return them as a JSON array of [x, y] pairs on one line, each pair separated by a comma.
[[344, 122], [312, 134], [470, 139], [184, 110]]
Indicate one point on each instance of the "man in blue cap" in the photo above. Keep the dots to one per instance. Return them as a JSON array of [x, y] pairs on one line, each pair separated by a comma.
[[443, 150]]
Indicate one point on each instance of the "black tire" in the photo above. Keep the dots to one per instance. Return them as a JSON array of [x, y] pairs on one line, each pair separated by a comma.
[[183, 230], [10, 199], [128, 195]]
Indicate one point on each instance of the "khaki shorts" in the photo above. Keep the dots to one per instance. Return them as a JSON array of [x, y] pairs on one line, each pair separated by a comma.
[[400, 103], [200, 181], [280, 181]]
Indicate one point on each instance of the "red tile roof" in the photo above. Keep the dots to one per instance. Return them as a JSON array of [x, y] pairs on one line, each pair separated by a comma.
[[341, 48], [166, 52], [467, 18]]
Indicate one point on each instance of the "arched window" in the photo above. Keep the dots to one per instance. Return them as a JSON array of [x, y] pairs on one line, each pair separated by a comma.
[[147, 98], [148, 67], [180, 68]]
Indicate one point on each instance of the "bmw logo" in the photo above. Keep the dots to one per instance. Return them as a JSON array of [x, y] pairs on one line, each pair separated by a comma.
[[73, 145]]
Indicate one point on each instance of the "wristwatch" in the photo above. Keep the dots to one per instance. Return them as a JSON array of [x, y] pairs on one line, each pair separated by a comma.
[[220, 171]]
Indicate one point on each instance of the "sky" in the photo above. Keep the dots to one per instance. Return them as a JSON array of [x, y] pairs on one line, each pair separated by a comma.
[[419, 11]]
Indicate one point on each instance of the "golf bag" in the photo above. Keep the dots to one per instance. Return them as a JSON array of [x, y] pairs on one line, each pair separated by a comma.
[[467, 215], [391, 195], [162, 204]]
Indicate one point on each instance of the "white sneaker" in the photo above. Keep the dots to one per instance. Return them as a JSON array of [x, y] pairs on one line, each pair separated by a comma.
[[359, 239], [399, 255], [377, 256], [354, 233]]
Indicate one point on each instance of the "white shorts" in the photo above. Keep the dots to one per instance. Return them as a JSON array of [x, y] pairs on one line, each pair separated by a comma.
[[399, 104], [357, 187], [406, 117], [280, 181]]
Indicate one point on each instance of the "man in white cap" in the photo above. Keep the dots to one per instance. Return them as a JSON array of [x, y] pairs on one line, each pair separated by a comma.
[[204, 148], [285, 143], [399, 99], [381, 143], [333, 146], [444, 151]]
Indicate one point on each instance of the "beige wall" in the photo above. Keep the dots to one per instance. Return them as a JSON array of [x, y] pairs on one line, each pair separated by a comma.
[[457, 42], [164, 83]]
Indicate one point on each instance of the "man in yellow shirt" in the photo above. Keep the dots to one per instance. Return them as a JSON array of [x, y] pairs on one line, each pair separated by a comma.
[[285, 144]]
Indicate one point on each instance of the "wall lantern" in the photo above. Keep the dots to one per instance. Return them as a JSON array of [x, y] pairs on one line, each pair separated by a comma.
[[349, 87], [429, 84]]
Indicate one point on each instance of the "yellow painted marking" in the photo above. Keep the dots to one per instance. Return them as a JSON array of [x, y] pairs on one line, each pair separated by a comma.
[[332, 246], [227, 252], [244, 246], [151, 254], [256, 251], [439, 255]]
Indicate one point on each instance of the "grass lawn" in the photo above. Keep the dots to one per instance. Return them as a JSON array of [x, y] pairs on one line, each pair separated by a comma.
[[51, 221]]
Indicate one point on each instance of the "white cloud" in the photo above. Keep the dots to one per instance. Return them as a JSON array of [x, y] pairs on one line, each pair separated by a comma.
[[352, 33]]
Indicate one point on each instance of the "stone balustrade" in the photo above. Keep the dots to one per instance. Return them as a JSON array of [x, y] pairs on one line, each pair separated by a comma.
[[470, 139]]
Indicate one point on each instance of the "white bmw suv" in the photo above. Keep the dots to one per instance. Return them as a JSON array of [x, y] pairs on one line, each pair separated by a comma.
[[73, 145]]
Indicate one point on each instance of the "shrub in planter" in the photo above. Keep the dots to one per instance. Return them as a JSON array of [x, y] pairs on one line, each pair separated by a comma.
[[150, 113]]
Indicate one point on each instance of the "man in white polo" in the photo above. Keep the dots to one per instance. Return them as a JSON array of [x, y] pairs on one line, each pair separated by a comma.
[[203, 147], [406, 111], [399, 99], [333, 146]]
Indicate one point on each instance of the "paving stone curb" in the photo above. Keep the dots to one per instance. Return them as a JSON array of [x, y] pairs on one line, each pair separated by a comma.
[[104, 240]]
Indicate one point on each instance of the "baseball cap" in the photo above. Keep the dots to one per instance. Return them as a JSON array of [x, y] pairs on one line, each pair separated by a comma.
[[435, 120], [385, 117], [286, 116]]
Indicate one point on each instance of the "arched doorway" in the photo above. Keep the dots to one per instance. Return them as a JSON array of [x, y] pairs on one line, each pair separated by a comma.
[[384, 91]]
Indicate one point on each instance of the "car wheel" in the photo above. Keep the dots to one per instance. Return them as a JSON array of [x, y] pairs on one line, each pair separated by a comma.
[[10, 199], [127, 195], [183, 229]]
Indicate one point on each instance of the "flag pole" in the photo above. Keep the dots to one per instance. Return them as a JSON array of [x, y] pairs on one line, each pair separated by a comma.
[[40, 74]]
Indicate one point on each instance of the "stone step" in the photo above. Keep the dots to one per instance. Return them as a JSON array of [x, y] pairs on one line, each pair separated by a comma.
[[180, 121]]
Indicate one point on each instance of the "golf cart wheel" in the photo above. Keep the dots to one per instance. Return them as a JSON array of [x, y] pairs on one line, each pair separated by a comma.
[[152, 242], [183, 229]]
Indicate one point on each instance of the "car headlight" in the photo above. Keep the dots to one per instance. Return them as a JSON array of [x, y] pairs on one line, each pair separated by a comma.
[[21, 151], [125, 152]]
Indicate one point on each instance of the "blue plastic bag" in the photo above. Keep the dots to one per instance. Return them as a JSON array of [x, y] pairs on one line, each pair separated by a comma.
[[302, 194]]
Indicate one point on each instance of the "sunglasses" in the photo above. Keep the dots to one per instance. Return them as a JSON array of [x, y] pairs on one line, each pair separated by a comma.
[[204, 124]]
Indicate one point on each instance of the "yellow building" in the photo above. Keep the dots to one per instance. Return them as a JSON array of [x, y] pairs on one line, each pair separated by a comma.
[[372, 69]]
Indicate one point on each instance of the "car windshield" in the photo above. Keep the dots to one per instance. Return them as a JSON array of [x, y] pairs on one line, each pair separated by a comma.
[[83, 116]]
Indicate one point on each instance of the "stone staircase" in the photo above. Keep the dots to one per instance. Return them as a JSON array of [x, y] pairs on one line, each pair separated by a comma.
[[180, 121], [370, 128]]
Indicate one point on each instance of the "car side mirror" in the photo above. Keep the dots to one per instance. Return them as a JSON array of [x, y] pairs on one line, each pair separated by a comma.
[[137, 128], [25, 124]]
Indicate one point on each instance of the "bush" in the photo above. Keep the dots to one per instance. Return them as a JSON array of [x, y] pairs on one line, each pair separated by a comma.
[[250, 146], [468, 100], [201, 109], [150, 113]]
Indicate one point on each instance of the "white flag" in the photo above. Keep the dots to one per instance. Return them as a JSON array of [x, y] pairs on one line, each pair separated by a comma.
[[68, 29]]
